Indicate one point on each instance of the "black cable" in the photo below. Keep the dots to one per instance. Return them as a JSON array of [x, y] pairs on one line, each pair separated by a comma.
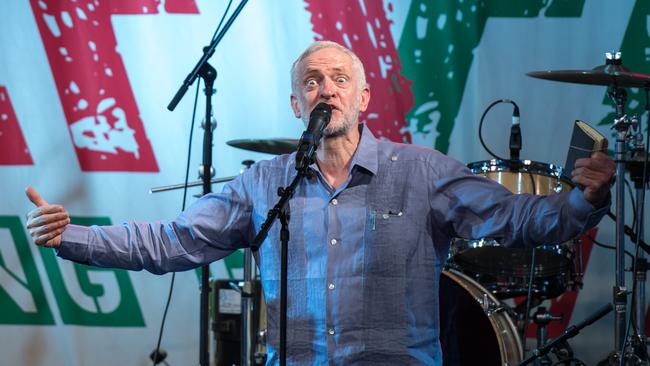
[[633, 202], [529, 298], [480, 126], [216, 32], [610, 247], [187, 176]]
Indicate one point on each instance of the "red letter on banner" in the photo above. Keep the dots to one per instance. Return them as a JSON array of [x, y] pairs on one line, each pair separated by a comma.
[[365, 30], [97, 99], [13, 149]]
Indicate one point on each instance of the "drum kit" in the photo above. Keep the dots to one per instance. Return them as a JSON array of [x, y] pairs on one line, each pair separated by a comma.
[[479, 323]]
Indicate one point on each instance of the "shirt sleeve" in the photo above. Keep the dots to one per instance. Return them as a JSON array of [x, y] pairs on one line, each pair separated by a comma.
[[210, 229], [473, 207]]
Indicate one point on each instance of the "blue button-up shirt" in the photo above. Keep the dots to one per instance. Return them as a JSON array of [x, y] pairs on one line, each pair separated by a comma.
[[364, 259]]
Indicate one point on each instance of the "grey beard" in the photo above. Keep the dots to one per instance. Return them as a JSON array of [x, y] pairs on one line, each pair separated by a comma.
[[339, 131]]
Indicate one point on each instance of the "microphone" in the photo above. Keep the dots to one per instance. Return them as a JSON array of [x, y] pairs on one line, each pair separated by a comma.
[[318, 120], [515, 134]]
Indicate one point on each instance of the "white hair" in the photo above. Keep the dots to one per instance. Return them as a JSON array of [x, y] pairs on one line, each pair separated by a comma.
[[318, 45]]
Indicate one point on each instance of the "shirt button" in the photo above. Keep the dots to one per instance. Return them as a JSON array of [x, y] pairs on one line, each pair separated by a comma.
[[331, 286], [333, 241], [335, 202], [331, 331]]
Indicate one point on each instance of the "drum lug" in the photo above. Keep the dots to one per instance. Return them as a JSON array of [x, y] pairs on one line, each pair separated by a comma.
[[489, 307]]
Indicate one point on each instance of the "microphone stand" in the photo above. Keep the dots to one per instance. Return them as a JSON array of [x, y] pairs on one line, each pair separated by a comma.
[[204, 70], [571, 332], [282, 211]]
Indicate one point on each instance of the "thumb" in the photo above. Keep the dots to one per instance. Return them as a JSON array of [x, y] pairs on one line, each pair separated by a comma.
[[35, 197]]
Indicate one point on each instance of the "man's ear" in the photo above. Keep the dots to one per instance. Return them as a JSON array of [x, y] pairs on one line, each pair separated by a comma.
[[295, 107], [365, 99]]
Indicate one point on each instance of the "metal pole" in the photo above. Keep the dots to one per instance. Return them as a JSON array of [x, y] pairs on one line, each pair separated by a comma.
[[247, 310], [619, 291], [641, 267]]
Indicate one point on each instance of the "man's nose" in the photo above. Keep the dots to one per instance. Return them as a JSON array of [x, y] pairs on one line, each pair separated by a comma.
[[328, 89]]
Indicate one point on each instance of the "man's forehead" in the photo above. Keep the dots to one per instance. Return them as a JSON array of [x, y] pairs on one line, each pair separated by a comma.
[[329, 58]]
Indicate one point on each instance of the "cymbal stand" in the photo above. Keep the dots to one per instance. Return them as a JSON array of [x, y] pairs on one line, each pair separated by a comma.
[[619, 293], [639, 175]]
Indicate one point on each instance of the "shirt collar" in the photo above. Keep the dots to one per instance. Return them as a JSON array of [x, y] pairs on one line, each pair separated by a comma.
[[366, 154]]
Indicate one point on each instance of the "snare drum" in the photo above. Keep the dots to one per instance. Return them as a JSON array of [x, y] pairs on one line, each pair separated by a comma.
[[506, 271], [475, 328]]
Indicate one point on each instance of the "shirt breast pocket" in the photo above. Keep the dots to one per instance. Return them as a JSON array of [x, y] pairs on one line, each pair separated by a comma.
[[389, 236]]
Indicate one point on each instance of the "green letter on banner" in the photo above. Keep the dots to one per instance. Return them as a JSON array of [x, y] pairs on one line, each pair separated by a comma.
[[437, 50], [22, 300], [89, 295]]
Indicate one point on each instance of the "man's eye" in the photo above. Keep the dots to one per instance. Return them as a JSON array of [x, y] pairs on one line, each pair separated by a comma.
[[341, 79], [311, 82]]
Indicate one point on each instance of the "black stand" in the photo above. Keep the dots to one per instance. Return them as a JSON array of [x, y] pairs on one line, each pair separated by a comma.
[[571, 332], [542, 318], [280, 209], [209, 74]]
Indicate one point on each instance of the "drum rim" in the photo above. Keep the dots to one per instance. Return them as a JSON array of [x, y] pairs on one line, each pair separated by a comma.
[[508, 355], [528, 166], [524, 163]]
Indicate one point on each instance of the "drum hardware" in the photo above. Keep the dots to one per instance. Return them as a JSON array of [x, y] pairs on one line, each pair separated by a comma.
[[275, 146], [569, 333], [475, 327], [490, 307], [616, 77], [506, 271], [542, 318]]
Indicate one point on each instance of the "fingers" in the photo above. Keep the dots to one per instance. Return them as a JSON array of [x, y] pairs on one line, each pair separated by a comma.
[[43, 210], [40, 230], [35, 197], [51, 239], [46, 219], [594, 174]]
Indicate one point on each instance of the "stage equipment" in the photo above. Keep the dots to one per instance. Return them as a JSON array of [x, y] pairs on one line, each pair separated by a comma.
[[270, 146], [504, 271], [318, 119], [616, 77], [475, 327], [205, 71]]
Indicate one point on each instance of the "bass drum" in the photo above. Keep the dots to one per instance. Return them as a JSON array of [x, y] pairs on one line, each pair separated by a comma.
[[475, 328]]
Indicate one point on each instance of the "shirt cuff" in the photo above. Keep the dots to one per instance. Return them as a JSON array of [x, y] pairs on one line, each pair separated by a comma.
[[585, 210], [75, 244]]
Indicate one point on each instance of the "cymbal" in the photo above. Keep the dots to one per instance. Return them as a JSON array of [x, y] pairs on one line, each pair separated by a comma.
[[275, 146], [600, 75]]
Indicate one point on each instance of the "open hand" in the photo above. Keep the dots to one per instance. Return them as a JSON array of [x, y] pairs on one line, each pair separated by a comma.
[[46, 222]]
